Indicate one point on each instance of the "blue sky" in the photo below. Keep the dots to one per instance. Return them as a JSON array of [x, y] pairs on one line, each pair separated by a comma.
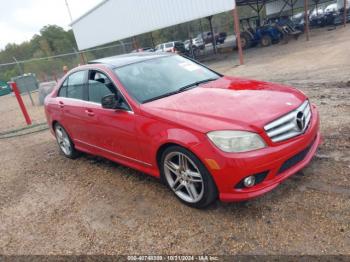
[[21, 19]]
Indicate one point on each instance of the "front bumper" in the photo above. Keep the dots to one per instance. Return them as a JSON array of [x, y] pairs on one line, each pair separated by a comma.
[[279, 160]]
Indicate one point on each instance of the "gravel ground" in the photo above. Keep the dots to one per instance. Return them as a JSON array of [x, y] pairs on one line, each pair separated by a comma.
[[53, 205], [11, 115]]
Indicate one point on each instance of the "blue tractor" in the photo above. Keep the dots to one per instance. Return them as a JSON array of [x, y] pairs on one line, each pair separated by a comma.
[[264, 35]]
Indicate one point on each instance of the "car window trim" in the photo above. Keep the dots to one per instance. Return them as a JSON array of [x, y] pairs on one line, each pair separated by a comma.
[[94, 103], [59, 89]]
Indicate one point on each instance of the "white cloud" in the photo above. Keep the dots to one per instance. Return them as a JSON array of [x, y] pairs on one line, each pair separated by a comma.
[[10, 34], [23, 19]]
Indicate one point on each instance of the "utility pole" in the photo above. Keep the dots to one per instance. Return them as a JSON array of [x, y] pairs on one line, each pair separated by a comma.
[[69, 12], [82, 58], [21, 73]]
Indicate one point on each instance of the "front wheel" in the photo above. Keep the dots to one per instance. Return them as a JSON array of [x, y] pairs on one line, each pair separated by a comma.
[[65, 143], [188, 178], [266, 41]]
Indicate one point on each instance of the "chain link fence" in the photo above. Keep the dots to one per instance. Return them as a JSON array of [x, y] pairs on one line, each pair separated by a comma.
[[52, 68]]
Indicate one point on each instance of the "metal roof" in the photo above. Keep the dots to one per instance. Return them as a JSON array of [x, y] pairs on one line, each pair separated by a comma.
[[113, 20], [127, 59]]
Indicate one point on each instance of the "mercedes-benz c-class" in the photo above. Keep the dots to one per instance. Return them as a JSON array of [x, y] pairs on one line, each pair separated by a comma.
[[206, 135]]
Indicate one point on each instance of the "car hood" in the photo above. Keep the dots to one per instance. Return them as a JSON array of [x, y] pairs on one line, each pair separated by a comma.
[[227, 103]]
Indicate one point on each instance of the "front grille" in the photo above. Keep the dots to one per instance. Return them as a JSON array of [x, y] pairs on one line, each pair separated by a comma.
[[295, 159], [290, 125]]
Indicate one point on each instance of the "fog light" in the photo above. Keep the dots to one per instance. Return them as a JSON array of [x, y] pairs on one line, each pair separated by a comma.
[[249, 181]]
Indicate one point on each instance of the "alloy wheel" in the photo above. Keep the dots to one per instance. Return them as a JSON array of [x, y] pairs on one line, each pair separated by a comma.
[[63, 140], [183, 177]]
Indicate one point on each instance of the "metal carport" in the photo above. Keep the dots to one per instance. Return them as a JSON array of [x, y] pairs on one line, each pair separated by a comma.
[[113, 20]]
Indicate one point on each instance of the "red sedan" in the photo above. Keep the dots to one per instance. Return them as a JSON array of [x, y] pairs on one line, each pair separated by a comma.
[[206, 135]]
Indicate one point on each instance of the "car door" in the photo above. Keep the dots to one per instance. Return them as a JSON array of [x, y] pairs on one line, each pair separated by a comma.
[[111, 131], [71, 104]]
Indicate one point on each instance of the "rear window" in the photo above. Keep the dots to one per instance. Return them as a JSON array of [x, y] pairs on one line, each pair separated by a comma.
[[63, 90], [180, 46], [167, 45], [75, 86]]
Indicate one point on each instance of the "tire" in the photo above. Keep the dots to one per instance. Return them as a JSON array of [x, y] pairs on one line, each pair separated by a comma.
[[190, 181], [266, 41], [196, 52], [246, 40], [65, 143]]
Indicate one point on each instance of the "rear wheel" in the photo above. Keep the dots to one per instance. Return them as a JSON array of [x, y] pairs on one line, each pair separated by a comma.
[[187, 177], [246, 40], [65, 143]]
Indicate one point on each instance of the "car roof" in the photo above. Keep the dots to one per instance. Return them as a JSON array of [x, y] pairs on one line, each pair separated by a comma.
[[127, 59]]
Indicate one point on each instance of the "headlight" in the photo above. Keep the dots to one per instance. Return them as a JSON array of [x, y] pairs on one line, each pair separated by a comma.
[[236, 141]]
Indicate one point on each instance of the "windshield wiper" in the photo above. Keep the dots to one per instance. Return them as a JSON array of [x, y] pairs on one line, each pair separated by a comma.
[[161, 96], [195, 84], [180, 89]]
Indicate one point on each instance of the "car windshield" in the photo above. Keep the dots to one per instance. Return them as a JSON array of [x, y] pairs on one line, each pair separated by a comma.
[[157, 78]]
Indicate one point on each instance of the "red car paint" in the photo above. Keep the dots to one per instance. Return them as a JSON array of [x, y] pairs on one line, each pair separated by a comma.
[[134, 138]]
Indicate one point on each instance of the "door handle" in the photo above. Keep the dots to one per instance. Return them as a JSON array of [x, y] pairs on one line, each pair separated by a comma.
[[89, 112], [61, 104]]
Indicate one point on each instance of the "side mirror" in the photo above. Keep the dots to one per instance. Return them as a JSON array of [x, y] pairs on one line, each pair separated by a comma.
[[110, 101]]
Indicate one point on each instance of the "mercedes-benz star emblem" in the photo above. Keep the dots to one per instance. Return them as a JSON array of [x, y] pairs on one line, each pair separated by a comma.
[[301, 121]]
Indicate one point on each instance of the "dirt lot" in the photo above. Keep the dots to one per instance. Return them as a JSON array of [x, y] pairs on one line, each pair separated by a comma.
[[53, 205]]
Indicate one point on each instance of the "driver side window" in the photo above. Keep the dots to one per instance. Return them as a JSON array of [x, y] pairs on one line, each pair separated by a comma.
[[99, 86]]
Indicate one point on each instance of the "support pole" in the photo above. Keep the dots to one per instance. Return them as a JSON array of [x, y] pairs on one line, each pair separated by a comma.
[[78, 56], [210, 18], [306, 18], [21, 73], [189, 34], [20, 102], [201, 27], [136, 44], [123, 46], [82, 57], [345, 15], [152, 39], [258, 11], [238, 35]]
